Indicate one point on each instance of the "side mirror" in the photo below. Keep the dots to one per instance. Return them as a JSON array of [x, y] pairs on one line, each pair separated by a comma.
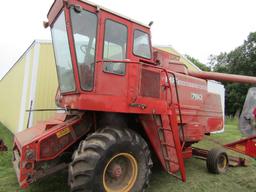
[[45, 24]]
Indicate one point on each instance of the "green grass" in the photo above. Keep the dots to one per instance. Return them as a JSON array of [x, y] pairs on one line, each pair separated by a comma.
[[198, 179], [7, 175]]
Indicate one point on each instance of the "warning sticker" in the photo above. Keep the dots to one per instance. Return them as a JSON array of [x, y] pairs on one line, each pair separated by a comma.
[[63, 132]]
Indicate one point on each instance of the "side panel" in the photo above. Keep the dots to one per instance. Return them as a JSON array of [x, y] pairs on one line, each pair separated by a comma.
[[218, 88], [44, 142], [201, 110]]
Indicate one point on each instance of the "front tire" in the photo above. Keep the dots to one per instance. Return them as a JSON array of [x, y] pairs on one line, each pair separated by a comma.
[[116, 160]]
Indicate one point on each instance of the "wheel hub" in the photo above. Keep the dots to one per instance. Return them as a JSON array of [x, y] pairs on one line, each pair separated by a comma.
[[222, 162], [120, 173], [116, 171]]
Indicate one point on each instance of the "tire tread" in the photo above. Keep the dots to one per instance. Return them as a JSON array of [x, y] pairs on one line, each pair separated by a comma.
[[89, 146]]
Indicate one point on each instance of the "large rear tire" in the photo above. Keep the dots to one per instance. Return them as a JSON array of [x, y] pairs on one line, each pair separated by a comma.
[[116, 160]]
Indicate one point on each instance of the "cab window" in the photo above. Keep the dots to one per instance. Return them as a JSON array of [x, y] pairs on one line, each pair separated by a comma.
[[62, 55], [115, 43], [141, 44], [84, 28]]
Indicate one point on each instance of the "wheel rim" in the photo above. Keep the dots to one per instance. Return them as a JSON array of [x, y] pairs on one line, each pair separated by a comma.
[[120, 173], [222, 162]]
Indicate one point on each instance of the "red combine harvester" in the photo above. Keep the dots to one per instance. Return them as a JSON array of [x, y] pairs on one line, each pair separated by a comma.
[[124, 101]]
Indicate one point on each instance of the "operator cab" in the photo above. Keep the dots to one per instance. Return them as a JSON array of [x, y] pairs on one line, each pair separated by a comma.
[[105, 62], [99, 57], [86, 35]]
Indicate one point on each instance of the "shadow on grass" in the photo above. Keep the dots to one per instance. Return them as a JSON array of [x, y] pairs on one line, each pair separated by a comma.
[[54, 183]]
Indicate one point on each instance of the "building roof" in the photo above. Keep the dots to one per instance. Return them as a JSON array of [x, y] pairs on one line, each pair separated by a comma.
[[183, 59]]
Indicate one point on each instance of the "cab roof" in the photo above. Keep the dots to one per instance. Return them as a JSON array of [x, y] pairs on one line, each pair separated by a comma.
[[101, 8], [115, 13]]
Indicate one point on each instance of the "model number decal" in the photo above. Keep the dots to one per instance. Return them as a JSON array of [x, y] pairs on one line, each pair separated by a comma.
[[196, 96], [63, 132], [187, 84]]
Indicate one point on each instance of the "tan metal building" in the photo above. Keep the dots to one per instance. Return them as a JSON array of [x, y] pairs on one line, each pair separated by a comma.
[[30, 83]]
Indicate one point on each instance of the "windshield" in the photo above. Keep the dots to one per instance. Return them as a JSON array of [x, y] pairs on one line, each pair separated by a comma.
[[84, 27], [62, 55]]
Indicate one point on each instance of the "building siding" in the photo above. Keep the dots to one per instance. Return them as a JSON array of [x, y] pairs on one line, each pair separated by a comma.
[[25, 122], [47, 84], [32, 78], [23, 97], [10, 96]]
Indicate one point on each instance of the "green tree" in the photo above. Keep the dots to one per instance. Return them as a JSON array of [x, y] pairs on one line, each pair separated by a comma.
[[200, 65], [241, 60]]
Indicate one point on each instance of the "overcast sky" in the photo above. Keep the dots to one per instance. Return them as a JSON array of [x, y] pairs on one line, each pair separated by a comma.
[[198, 28]]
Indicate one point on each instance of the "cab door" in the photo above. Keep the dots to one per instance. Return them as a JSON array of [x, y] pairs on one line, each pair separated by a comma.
[[146, 89], [111, 74]]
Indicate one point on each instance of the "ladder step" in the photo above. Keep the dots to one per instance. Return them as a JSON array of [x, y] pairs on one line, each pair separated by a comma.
[[171, 161], [168, 145], [165, 129], [170, 140], [171, 143]]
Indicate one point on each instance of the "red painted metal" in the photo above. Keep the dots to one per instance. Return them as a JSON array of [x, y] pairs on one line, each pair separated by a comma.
[[54, 11], [245, 146], [176, 158], [254, 113], [172, 103], [55, 136], [187, 152]]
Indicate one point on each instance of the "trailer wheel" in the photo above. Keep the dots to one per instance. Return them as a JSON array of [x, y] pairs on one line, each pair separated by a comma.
[[111, 160], [217, 161]]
